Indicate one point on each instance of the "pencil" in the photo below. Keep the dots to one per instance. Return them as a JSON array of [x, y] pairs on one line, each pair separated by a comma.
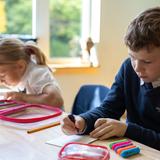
[[43, 127]]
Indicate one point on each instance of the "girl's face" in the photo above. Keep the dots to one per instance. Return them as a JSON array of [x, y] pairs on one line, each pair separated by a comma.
[[11, 73], [146, 63]]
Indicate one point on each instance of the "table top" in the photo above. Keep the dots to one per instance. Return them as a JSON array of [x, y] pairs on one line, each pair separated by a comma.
[[17, 144]]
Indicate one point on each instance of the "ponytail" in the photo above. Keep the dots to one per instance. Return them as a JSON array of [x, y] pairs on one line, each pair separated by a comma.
[[14, 49], [32, 49]]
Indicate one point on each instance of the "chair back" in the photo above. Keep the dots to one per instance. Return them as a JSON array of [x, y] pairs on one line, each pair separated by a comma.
[[89, 97]]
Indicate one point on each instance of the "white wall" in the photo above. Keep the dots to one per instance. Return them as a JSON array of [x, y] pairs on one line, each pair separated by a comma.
[[115, 17]]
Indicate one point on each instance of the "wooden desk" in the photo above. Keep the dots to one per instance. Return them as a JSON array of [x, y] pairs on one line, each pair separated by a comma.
[[16, 144]]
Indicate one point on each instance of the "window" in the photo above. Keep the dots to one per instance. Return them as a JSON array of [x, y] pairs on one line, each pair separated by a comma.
[[60, 26], [12, 21], [65, 27]]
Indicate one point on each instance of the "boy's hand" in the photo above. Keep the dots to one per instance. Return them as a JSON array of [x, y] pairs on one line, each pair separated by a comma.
[[14, 96], [69, 127], [106, 128]]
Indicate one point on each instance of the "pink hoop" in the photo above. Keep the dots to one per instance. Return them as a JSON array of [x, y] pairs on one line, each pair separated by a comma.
[[7, 111]]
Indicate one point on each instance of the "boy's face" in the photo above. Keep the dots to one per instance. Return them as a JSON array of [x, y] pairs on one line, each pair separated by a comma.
[[10, 74], [146, 63]]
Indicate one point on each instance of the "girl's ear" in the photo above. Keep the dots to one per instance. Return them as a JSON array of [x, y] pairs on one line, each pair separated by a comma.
[[21, 64]]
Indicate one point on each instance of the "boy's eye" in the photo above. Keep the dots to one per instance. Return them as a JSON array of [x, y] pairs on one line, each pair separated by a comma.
[[147, 62]]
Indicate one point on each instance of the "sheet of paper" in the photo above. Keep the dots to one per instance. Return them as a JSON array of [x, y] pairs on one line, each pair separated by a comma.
[[62, 140]]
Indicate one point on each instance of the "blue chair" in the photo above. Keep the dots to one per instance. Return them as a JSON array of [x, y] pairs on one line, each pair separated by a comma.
[[88, 97]]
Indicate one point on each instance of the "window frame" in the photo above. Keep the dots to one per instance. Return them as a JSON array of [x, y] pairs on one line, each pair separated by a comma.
[[90, 28]]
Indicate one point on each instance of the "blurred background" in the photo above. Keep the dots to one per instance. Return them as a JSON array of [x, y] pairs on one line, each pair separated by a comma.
[[61, 29]]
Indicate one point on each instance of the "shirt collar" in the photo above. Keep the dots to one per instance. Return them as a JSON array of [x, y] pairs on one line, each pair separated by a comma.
[[155, 84], [141, 82]]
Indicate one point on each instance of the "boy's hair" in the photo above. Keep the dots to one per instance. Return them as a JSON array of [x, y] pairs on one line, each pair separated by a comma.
[[12, 49], [144, 30]]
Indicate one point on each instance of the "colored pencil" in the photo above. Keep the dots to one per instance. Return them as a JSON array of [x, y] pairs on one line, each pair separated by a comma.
[[43, 127]]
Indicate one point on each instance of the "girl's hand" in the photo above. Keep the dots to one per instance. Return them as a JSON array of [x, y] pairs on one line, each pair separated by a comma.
[[14, 96], [69, 127], [106, 128]]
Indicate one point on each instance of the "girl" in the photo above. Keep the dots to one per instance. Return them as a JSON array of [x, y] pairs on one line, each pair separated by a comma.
[[23, 69]]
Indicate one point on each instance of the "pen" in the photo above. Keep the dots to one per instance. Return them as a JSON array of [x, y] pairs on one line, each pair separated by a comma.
[[72, 118], [43, 127]]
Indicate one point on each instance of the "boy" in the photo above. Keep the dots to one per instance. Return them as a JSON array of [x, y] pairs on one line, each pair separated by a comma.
[[136, 89]]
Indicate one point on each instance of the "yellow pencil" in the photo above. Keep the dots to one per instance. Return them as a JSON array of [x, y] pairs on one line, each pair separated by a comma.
[[43, 127]]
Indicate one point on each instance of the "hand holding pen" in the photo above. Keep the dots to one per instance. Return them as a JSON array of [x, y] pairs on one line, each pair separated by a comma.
[[72, 124], [72, 118]]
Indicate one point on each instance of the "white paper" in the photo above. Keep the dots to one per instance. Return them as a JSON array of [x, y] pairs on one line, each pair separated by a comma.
[[62, 140]]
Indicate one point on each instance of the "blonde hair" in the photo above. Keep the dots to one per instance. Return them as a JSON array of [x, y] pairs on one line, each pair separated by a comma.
[[12, 49]]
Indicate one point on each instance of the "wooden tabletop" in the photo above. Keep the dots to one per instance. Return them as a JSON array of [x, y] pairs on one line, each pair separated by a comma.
[[17, 144]]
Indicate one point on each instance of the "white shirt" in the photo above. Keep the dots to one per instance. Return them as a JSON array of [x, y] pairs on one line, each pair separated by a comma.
[[155, 84], [35, 78]]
